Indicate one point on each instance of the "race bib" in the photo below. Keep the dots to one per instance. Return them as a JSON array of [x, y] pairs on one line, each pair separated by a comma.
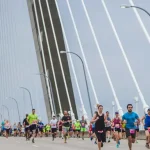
[[100, 131], [132, 131], [83, 124], [117, 126], [53, 125]]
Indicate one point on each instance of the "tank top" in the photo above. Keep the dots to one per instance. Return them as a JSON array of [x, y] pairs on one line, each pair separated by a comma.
[[99, 124], [116, 122], [147, 121], [108, 124]]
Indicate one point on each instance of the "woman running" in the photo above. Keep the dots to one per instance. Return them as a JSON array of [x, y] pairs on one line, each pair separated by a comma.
[[117, 125], [147, 127], [100, 120], [7, 127]]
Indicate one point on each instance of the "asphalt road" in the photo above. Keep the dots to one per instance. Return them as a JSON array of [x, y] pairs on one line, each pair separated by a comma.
[[73, 144]]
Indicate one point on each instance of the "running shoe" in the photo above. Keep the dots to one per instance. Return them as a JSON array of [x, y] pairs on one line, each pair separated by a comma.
[[91, 138], [33, 140], [118, 142], [95, 142], [117, 145]]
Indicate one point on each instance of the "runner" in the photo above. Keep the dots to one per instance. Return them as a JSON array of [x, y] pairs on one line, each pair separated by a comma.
[[14, 130], [108, 127], [129, 118], [123, 130], [116, 122], [60, 129], [7, 128], [32, 119], [66, 124], [40, 127], [83, 126], [147, 127], [137, 130], [26, 126], [100, 120], [77, 128], [53, 124]]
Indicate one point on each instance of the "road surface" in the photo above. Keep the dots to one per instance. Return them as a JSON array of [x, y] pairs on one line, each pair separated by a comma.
[[73, 144]]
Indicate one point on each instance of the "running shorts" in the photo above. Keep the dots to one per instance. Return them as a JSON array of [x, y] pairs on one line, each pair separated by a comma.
[[118, 129], [32, 127], [83, 129], [107, 129], [93, 130], [54, 130], [137, 130], [65, 129], [100, 136], [129, 134]]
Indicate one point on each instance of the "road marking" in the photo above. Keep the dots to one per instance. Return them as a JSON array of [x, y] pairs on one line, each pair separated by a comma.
[[35, 145], [17, 142]]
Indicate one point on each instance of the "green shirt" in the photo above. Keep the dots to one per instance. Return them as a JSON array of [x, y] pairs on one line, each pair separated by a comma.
[[77, 125], [32, 118]]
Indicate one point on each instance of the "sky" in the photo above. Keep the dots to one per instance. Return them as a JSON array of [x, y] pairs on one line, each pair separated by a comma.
[[19, 63], [132, 38]]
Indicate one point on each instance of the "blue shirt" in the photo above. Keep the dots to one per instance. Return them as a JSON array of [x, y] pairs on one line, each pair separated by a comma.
[[147, 121], [93, 125], [130, 120]]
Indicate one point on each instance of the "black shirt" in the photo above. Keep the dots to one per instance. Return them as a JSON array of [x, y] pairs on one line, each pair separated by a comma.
[[25, 122], [66, 121]]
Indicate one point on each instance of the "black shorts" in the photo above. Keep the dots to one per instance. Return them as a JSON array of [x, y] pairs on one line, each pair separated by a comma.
[[118, 129], [129, 134], [41, 129], [137, 130], [54, 130], [27, 129], [107, 129], [101, 136], [70, 129], [15, 129], [123, 130], [78, 130], [7, 131], [32, 127], [93, 130]]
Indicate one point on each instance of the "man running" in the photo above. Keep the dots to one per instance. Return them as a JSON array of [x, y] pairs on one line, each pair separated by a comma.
[[26, 126], [129, 118], [53, 124], [32, 119], [77, 128], [40, 126], [66, 125], [147, 127], [108, 127], [83, 126]]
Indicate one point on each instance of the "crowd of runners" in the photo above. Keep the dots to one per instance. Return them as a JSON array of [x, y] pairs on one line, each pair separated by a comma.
[[101, 128]]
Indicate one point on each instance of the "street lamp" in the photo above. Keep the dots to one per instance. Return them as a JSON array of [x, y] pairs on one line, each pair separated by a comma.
[[136, 99], [126, 6], [90, 103], [7, 111], [29, 95], [17, 106], [50, 94]]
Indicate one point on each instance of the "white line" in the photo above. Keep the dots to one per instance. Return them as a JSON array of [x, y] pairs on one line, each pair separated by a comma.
[[124, 55], [35, 145], [102, 58], [81, 48]]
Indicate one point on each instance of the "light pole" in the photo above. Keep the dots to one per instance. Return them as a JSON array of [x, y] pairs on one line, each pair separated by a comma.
[[136, 99], [29, 95], [50, 92], [7, 111], [1, 116], [126, 6], [17, 106], [88, 93], [113, 108]]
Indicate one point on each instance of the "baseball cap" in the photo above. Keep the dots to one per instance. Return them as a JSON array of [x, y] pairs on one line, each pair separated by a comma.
[[148, 109], [116, 113]]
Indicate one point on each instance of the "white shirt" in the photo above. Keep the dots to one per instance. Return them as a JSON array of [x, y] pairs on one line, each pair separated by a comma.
[[53, 123]]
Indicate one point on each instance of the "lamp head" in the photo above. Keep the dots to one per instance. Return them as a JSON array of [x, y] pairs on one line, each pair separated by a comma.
[[125, 6], [62, 52]]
